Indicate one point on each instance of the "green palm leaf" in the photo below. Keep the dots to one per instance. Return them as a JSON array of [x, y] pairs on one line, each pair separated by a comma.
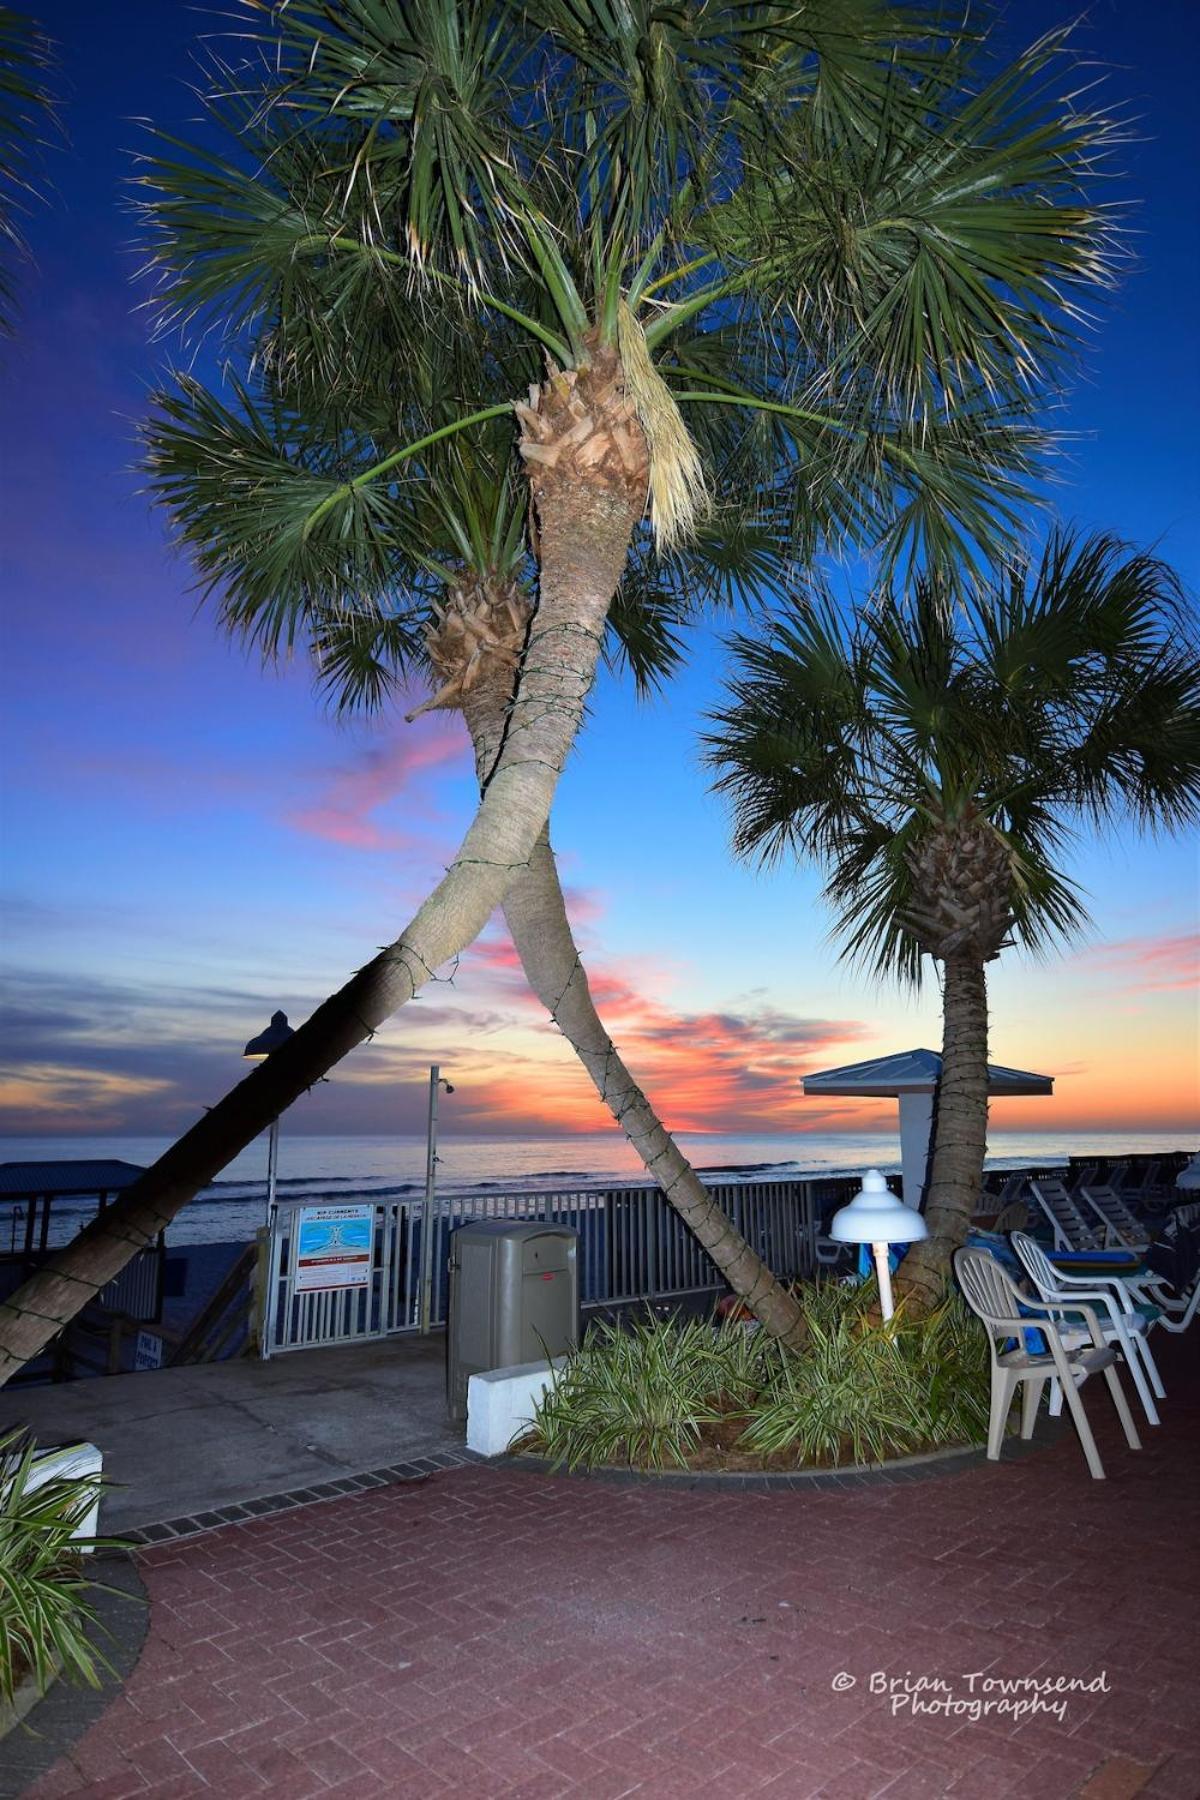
[[1066, 696], [26, 111]]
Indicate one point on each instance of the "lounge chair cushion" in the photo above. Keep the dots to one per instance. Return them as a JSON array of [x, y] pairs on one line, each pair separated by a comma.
[[1099, 1262]]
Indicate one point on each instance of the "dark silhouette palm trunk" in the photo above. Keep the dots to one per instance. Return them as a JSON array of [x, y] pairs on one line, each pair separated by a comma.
[[537, 919], [960, 1135], [588, 469]]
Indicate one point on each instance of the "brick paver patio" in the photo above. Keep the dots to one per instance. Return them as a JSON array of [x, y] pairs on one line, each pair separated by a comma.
[[488, 1632]]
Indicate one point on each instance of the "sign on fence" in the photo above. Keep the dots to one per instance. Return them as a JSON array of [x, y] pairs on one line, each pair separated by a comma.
[[147, 1350], [632, 1246], [333, 1247]]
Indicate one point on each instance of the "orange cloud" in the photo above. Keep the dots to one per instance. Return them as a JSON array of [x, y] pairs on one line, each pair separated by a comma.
[[704, 1072]]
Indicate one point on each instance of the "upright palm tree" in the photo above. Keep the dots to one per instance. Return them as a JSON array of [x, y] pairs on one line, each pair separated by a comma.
[[937, 762], [830, 222]]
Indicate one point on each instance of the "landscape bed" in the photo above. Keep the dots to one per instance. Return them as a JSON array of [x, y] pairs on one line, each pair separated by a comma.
[[687, 1395]]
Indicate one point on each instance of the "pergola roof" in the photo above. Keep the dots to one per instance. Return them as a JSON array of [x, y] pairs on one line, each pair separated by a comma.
[[915, 1072], [33, 1180]]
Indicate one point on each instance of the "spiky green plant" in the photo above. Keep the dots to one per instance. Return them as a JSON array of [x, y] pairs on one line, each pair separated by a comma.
[[47, 1623], [636, 1393], [858, 1392], [862, 1391]]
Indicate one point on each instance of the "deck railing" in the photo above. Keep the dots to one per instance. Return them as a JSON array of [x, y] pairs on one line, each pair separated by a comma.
[[633, 1247]]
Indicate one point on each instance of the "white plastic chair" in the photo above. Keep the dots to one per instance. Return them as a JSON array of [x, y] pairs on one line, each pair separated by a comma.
[[1122, 1324], [1115, 1216], [1176, 1310], [1006, 1316]]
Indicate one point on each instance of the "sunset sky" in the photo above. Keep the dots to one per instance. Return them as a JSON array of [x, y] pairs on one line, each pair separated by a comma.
[[190, 843]]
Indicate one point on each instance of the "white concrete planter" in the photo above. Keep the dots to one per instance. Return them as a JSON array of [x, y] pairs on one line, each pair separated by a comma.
[[500, 1404], [73, 1462]]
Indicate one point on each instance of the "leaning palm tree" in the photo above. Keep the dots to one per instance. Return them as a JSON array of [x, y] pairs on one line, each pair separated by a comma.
[[472, 647], [938, 761], [458, 606], [825, 222]]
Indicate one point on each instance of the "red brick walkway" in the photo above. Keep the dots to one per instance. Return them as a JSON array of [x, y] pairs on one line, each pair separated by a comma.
[[487, 1632]]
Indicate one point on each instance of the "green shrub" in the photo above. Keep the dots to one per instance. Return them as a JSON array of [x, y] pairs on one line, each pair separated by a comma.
[[645, 1394], [636, 1394], [861, 1392], [43, 1613]]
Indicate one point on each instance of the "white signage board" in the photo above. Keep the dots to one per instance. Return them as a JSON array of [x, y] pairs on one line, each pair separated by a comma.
[[148, 1350], [333, 1247]]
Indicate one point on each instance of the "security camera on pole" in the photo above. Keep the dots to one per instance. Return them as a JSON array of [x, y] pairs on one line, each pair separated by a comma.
[[436, 1081]]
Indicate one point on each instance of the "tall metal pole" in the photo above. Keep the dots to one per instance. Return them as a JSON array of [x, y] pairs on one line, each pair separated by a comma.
[[427, 1210], [272, 1168]]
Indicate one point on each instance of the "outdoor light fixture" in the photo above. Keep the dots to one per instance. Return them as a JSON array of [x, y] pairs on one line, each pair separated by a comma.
[[277, 1032], [437, 1081], [876, 1217], [257, 1050]]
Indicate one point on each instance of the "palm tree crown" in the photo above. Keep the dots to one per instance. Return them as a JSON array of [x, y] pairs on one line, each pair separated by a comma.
[[811, 228], [936, 761]]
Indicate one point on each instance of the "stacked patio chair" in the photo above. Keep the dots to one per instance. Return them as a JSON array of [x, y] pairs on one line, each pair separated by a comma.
[[1073, 1236], [1071, 1230], [1172, 1277], [1124, 1320], [1116, 1217], [1003, 1190], [1006, 1316]]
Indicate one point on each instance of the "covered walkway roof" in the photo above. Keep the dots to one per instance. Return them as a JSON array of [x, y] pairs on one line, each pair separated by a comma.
[[916, 1072]]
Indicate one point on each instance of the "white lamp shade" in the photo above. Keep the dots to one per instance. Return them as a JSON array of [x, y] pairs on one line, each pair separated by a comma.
[[875, 1216]]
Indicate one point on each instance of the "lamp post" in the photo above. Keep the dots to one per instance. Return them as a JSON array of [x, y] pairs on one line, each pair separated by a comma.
[[437, 1081], [876, 1217], [257, 1050]]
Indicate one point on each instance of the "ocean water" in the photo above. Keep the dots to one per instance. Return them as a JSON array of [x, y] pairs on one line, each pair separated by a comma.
[[351, 1168]]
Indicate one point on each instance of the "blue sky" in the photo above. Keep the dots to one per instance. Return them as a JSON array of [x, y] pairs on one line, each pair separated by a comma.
[[189, 842]]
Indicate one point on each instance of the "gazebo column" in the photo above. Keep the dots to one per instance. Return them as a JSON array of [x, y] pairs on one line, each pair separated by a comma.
[[916, 1132]]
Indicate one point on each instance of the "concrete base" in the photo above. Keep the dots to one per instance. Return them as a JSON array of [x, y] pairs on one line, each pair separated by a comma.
[[500, 1404], [179, 1441], [74, 1462]]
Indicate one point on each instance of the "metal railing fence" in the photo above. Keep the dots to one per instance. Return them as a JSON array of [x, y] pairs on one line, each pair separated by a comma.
[[633, 1246]]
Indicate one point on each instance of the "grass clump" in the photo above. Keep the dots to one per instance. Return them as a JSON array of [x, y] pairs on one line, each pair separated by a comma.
[[663, 1392], [637, 1394], [44, 1615]]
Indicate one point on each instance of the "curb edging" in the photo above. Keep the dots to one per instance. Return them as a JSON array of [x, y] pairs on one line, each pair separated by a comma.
[[54, 1725]]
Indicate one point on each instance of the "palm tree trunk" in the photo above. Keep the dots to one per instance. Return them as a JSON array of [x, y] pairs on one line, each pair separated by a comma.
[[960, 1135], [536, 914], [588, 510], [541, 932]]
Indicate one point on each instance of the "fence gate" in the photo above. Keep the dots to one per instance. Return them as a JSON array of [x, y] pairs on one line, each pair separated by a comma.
[[632, 1246]]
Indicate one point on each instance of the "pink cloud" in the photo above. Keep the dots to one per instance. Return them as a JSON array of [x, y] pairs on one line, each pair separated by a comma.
[[378, 776], [1152, 964], [705, 1071]]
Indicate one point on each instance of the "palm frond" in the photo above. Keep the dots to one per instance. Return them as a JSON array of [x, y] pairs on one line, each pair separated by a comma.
[[27, 111], [1066, 695]]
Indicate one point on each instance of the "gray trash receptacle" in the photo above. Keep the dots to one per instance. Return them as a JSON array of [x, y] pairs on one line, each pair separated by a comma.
[[514, 1298]]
